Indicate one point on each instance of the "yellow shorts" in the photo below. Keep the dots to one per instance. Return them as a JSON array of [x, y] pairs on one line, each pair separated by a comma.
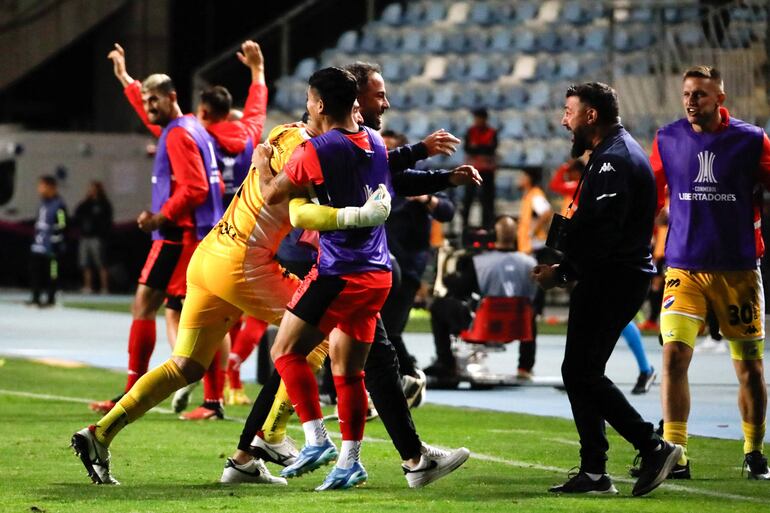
[[736, 297], [218, 291]]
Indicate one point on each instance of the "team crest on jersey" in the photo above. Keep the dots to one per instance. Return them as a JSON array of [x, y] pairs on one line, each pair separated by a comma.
[[705, 167], [668, 301]]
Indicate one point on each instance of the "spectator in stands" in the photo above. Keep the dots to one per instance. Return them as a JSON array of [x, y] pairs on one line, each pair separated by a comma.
[[535, 212], [502, 272], [480, 148], [48, 244], [94, 218]]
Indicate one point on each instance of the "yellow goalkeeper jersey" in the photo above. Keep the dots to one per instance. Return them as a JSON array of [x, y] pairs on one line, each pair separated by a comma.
[[249, 229]]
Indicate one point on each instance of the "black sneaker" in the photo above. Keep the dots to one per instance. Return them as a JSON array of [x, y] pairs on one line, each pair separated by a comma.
[[644, 382], [655, 467], [579, 482], [678, 472], [756, 463]]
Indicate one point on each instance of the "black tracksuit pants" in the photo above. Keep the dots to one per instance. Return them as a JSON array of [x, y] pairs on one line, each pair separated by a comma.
[[600, 307]]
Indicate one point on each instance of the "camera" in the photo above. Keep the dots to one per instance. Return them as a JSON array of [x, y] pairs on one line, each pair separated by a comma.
[[558, 233]]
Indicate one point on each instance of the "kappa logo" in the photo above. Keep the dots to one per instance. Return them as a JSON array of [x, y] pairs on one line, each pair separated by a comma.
[[668, 301], [751, 330], [606, 168], [705, 167]]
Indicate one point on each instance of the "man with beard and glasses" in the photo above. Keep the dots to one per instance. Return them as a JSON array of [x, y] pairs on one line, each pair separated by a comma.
[[713, 165], [607, 253]]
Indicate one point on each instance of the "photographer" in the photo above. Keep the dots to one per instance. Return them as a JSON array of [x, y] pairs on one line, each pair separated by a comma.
[[606, 246], [501, 272]]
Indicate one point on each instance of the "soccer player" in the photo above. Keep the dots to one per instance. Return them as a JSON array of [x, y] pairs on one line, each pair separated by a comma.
[[233, 143], [342, 295], [607, 252], [712, 164], [233, 270], [422, 464]]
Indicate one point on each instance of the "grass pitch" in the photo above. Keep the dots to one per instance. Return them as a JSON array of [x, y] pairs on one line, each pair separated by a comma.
[[169, 465]]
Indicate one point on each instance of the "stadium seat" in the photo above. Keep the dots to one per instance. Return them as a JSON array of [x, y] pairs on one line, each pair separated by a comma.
[[305, 68], [348, 42], [418, 125], [456, 41], [481, 14], [413, 41], [502, 39], [596, 38], [435, 41], [547, 40], [526, 11], [478, 40], [537, 126], [396, 121], [435, 12], [574, 12], [480, 67], [513, 96], [397, 97], [370, 40], [391, 68], [392, 14], [512, 126], [535, 153], [568, 66], [419, 96], [525, 41]]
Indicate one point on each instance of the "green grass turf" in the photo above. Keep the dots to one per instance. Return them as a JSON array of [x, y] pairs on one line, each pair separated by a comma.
[[169, 465]]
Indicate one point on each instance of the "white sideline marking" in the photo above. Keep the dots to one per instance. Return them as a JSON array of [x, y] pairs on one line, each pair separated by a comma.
[[476, 455]]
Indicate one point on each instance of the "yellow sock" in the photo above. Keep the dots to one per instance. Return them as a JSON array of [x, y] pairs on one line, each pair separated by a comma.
[[274, 428], [150, 390], [676, 432], [753, 437]]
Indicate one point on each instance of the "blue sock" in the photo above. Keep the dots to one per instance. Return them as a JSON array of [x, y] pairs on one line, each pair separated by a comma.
[[634, 340]]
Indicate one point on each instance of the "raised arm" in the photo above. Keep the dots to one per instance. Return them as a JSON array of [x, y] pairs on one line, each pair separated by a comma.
[[131, 88], [255, 110]]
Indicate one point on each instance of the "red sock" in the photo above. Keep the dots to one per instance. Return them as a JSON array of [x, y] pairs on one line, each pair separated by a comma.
[[243, 345], [141, 343], [213, 391], [351, 405], [300, 385]]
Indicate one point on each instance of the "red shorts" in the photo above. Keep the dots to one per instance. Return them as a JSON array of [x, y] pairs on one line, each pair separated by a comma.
[[350, 302], [166, 267]]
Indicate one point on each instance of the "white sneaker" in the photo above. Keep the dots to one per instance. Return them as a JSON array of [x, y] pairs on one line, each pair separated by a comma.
[[371, 411], [94, 456], [434, 464], [283, 453], [414, 388], [254, 472], [711, 345], [182, 397]]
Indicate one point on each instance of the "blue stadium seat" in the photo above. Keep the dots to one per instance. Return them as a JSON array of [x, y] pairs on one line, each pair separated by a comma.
[[539, 95], [457, 68], [392, 14], [348, 42], [397, 96], [456, 41], [547, 40], [471, 95], [502, 39], [546, 68], [480, 68], [370, 40], [568, 66], [596, 38], [305, 68], [514, 96], [478, 40], [536, 125], [412, 65], [641, 14], [396, 121], [435, 41], [461, 120], [446, 96], [481, 14], [526, 10], [415, 14], [439, 119], [512, 126], [512, 154], [525, 40], [570, 40], [690, 35], [391, 69], [435, 11], [504, 13], [642, 37], [574, 12], [419, 95], [535, 153], [390, 39], [413, 41], [622, 39], [419, 125]]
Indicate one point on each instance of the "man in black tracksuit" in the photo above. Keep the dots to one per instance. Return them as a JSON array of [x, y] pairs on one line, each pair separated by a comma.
[[607, 253], [422, 464]]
